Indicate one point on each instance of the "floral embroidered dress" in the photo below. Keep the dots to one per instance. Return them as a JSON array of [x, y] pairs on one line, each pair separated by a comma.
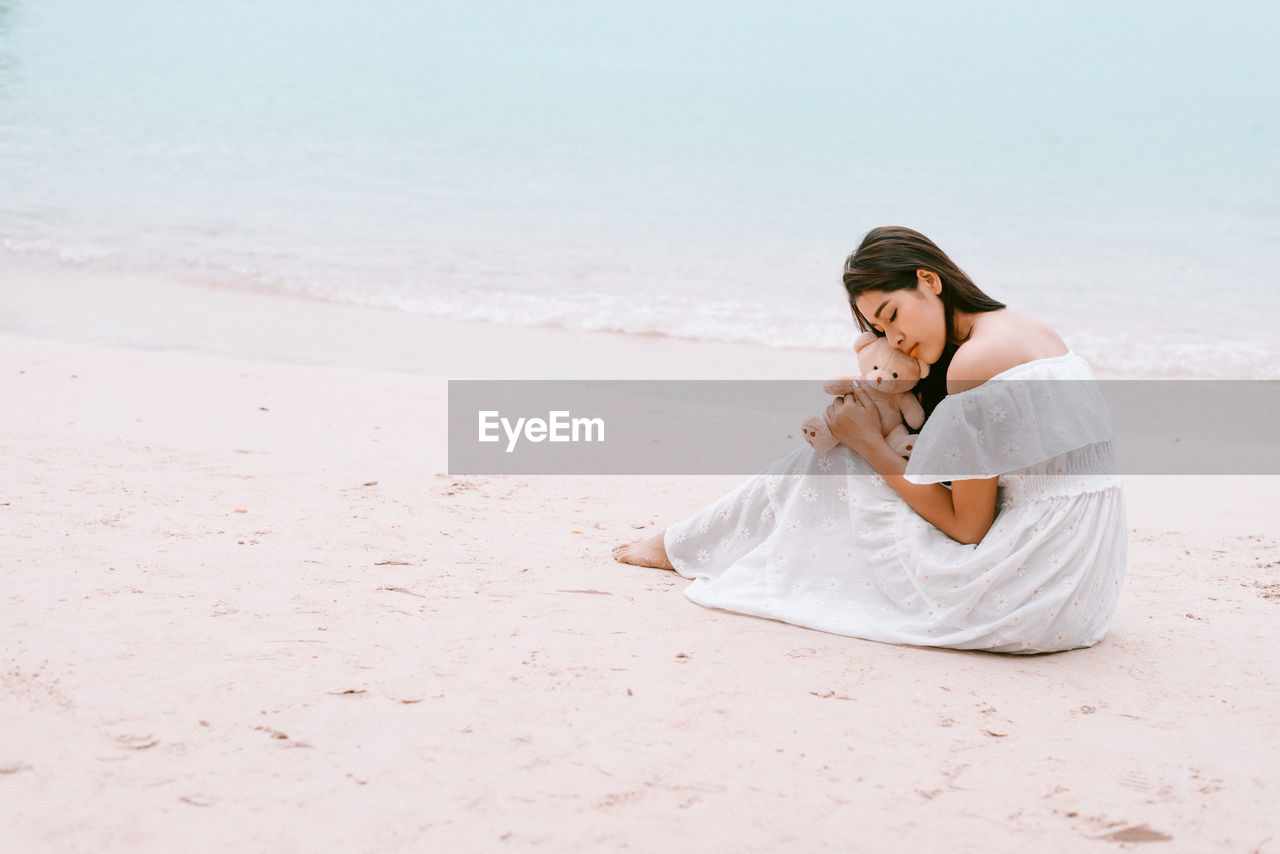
[[820, 540]]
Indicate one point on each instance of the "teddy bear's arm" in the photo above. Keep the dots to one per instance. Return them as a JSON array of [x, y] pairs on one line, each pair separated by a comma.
[[839, 385], [912, 411]]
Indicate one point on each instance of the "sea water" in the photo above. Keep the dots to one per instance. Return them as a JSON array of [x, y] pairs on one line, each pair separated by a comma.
[[687, 169]]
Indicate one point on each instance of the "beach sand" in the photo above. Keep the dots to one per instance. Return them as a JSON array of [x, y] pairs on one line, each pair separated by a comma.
[[246, 607]]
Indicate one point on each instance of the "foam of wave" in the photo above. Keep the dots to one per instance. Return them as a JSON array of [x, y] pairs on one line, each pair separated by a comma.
[[77, 254], [1147, 353]]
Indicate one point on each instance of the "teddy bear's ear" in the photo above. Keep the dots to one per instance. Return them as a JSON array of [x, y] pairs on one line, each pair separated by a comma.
[[924, 367], [863, 340]]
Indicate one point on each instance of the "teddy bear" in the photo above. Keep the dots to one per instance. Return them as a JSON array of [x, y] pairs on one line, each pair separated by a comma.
[[887, 377]]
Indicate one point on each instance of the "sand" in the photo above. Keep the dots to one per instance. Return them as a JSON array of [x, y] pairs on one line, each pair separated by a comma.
[[246, 606]]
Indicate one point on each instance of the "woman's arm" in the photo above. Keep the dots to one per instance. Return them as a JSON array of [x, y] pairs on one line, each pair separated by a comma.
[[964, 513]]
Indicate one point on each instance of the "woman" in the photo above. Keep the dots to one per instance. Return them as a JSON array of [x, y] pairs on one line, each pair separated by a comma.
[[1025, 551]]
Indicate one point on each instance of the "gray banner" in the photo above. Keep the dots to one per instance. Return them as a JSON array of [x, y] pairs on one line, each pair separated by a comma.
[[656, 427]]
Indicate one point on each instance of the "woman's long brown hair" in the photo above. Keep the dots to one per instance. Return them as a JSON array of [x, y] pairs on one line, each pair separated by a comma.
[[887, 260]]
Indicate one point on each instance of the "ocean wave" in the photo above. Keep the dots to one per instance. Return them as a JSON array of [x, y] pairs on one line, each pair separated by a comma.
[[696, 314], [1148, 354]]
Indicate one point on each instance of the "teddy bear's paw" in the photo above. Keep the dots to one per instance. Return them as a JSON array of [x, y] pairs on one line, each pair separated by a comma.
[[818, 435], [901, 443]]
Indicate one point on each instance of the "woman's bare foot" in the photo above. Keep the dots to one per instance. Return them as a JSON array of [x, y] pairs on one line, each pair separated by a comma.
[[650, 552]]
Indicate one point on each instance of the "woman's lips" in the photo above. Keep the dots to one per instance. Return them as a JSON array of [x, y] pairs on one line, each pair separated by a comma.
[[914, 351]]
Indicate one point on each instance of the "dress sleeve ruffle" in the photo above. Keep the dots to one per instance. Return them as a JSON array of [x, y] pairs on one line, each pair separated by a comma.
[[1007, 425]]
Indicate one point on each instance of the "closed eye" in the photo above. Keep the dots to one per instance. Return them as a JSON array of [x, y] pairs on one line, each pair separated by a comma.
[[892, 318]]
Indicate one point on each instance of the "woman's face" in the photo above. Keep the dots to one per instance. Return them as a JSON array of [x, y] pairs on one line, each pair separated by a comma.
[[914, 321]]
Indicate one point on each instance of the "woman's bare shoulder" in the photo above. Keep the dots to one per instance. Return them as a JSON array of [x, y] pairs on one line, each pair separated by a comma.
[[1000, 341]]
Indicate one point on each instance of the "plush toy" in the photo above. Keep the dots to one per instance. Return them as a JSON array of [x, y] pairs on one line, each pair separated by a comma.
[[887, 378]]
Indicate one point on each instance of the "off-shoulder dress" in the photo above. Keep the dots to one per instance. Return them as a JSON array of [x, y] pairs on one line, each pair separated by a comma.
[[820, 540]]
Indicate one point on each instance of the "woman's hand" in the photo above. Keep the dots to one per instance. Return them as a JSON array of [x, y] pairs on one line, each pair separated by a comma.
[[855, 422]]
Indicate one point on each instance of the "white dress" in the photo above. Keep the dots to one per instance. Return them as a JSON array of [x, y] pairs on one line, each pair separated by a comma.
[[820, 540]]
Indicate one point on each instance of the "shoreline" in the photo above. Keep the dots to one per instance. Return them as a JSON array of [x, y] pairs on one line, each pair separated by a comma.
[[142, 313], [130, 311]]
